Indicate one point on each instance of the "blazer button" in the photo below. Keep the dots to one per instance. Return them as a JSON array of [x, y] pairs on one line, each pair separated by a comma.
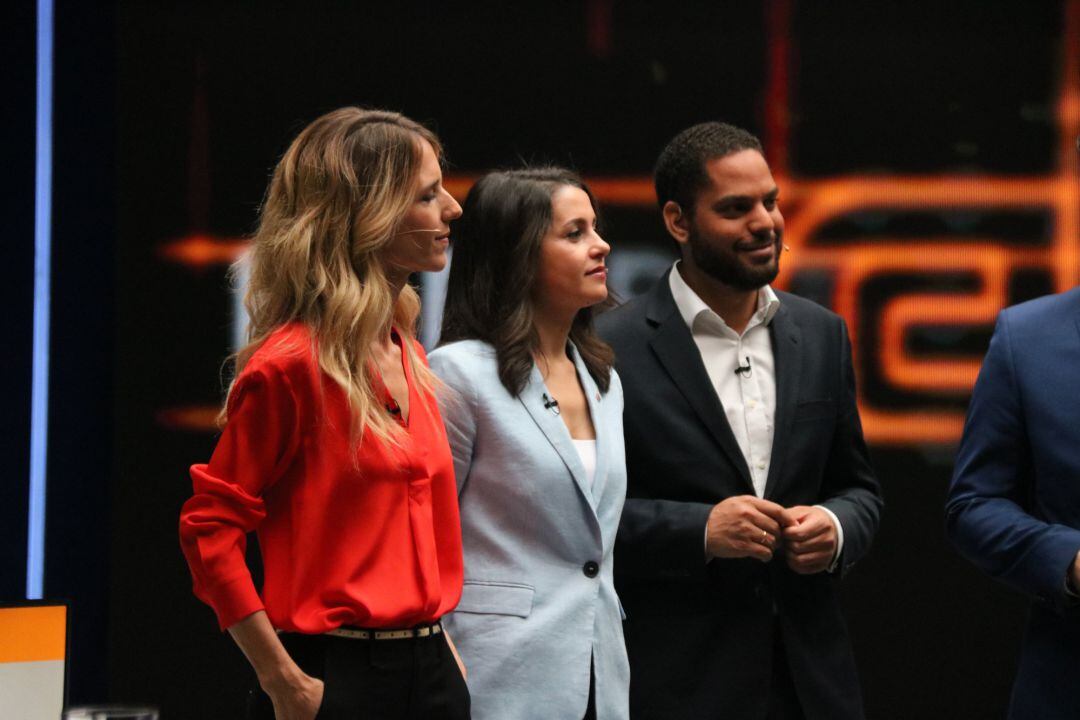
[[591, 569]]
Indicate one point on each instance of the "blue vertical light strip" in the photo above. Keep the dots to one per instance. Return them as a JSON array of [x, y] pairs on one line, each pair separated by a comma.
[[39, 394]]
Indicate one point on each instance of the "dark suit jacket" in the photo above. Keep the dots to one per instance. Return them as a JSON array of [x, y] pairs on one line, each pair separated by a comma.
[[1014, 504], [700, 635]]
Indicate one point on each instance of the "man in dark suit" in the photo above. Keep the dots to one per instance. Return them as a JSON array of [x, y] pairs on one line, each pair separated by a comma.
[[750, 490], [1014, 503]]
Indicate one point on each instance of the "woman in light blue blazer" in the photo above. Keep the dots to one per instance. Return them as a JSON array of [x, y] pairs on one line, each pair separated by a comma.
[[533, 411]]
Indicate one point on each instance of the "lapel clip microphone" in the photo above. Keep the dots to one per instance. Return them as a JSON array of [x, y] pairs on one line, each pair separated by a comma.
[[551, 404]]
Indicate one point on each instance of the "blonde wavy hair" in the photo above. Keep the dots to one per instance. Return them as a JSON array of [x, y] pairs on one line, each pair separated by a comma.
[[336, 198]]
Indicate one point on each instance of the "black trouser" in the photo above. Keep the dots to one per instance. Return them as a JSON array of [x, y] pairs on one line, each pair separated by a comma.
[[590, 707], [408, 679], [783, 699]]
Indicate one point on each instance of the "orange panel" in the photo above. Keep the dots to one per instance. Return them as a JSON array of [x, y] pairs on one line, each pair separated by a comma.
[[31, 634]]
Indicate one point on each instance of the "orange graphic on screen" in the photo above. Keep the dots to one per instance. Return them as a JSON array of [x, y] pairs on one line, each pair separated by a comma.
[[816, 202]]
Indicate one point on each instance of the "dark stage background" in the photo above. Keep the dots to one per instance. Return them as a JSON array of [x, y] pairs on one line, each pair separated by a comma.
[[928, 176]]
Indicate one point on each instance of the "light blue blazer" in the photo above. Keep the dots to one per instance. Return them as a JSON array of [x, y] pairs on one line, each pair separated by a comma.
[[538, 601]]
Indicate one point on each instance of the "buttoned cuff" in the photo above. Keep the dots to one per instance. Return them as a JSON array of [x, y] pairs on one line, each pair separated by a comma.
[[839, 538]]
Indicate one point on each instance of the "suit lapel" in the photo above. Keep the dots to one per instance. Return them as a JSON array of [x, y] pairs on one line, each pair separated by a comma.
[[674, 347], [787, 360], [592, 396], [554, 429]]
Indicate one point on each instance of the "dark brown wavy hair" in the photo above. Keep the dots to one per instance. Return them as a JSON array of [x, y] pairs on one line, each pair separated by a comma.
[[493, 273]]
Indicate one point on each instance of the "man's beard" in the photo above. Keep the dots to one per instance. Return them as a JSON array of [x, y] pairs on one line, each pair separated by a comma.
[[728, 269]]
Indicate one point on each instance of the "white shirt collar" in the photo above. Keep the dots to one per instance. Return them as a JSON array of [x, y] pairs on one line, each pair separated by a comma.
[[691, 306]]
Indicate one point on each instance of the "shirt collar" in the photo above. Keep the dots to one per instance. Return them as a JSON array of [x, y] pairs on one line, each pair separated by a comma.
[[691, 306]]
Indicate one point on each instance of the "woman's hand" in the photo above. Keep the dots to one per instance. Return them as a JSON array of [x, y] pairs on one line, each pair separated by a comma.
[[297, 699], [295, 694]]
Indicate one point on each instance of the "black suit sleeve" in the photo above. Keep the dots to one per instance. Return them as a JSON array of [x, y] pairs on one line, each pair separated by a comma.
[[661, 539], [849, 487]]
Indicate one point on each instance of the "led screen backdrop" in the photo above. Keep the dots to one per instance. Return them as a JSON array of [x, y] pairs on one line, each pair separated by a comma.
[[928, 172], [918, 264]]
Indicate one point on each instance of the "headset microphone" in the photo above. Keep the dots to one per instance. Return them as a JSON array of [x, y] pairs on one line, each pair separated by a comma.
[[437, 231]]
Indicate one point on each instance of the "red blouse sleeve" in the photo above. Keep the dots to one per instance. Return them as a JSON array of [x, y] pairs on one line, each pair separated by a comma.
[[260, 439]]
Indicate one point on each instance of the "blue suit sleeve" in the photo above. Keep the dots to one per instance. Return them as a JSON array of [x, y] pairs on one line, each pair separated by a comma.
[[457, 403], [988, 511]]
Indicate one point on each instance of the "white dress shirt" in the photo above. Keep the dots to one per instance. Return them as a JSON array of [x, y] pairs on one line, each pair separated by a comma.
[[586, 450], [748, 397]]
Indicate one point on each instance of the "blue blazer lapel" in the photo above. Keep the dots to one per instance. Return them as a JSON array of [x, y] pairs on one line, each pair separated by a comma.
[[787, 359], [596, 411], [554, 429]]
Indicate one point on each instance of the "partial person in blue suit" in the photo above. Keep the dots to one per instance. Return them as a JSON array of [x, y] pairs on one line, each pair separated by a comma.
[[1014, 503], [534, 415]]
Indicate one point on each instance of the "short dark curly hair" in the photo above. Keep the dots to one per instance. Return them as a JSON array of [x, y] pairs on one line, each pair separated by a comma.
[[680, 169]]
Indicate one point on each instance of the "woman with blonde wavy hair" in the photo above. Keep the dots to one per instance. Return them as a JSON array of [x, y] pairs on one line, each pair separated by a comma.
[[333, 449]]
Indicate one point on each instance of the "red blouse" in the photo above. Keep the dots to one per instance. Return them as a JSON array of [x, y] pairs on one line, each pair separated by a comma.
[[372, 544]]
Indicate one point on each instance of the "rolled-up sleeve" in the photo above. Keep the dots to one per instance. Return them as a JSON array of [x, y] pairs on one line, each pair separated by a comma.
[[260, 439]]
